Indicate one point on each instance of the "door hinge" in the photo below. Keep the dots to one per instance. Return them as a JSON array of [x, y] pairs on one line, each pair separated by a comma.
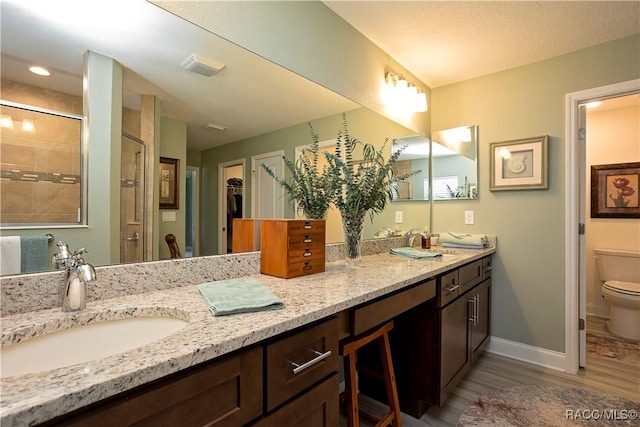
[[582, 134], [581, 228], [581, 325]]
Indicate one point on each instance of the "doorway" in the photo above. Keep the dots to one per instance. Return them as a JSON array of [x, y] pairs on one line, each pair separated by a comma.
[[576, 216], [132, 199], [192, 212], [231, 201]]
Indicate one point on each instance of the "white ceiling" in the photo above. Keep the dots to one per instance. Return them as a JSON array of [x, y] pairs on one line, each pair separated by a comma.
[[438, 41], [443, 42]]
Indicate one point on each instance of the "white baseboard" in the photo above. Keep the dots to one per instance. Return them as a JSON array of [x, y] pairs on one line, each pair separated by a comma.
[[527, 353], [598, 310]]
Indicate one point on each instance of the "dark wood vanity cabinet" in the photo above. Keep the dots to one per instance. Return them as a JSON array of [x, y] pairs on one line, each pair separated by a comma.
[[436, 343], [465, 326], [290, 380], [224, 392]]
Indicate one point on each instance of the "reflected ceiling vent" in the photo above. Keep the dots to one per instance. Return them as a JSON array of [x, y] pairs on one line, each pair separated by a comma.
[[214, 126], [201, 65]]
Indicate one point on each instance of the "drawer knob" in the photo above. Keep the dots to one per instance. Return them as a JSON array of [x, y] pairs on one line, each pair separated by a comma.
[[319, 358]]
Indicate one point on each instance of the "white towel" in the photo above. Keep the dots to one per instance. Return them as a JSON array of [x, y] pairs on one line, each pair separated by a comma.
[[9, 255]]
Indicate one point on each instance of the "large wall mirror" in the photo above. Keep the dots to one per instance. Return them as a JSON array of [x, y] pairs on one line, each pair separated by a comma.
[[250, 107], [453, 155]]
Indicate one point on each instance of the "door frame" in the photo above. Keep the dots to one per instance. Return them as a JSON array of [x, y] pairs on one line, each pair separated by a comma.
[[222, 201], [575, 166], [196, 208]]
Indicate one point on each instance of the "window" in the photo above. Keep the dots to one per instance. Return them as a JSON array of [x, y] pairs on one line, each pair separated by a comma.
[[443, 186]]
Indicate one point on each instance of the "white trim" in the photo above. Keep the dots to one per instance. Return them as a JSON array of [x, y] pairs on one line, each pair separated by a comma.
[[597, 310], [572, 200], [196, 208], [527, 353]]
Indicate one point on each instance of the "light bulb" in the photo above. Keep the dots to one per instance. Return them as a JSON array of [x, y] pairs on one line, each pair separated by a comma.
[[28, 125], [6, 121]]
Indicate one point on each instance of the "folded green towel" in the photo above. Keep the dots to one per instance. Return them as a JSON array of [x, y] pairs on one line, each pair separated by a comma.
[[414, 253], [241, 295], [34, 254], [463, 239]]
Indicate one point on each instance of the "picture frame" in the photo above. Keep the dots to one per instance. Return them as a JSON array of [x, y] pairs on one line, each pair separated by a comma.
[[169, 171], [614, 190], [519, 164]]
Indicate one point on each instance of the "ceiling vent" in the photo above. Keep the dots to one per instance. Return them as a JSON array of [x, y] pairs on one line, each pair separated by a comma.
[[201, 65]]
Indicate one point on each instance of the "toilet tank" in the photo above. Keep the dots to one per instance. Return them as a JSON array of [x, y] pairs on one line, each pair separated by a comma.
[[618, 265]]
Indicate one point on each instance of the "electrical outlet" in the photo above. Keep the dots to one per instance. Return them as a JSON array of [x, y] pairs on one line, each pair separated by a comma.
[[468, 217], [398, 217]]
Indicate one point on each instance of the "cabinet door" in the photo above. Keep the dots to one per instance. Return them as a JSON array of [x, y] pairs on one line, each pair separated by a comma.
[[481, 316], [454, 350], [227, 392], [317, 407]]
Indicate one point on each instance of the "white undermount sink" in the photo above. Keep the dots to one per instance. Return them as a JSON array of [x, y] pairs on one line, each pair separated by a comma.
[[80, 344]]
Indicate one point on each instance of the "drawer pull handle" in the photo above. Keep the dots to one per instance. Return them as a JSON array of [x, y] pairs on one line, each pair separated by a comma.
[[307, 254], [307, 241], [320, 357], [307, 267], [451, 288], [487, 268], [308, 227]]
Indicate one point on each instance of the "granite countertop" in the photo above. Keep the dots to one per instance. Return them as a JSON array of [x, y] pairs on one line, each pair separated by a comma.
[[33, 398]]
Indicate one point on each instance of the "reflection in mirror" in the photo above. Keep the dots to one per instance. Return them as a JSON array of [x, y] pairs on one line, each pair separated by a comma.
[[455, 163], [42, 153], [256, 100]]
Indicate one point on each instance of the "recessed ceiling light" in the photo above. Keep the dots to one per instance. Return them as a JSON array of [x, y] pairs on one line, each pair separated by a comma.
[[39, 71]]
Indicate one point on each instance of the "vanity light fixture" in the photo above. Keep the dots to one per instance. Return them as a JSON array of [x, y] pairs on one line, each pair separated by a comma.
[[6, 121], [41, 71], [202, 65], [215, 126], [404, 94]]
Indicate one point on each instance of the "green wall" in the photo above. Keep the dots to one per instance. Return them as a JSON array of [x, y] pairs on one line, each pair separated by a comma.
[[173, 144], [528, 275]]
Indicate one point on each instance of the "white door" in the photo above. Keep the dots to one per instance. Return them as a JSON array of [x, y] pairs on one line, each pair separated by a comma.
[[267, 196]]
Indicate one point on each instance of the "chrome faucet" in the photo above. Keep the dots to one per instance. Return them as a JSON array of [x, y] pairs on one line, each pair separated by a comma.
[[412, 235], [79, 272]]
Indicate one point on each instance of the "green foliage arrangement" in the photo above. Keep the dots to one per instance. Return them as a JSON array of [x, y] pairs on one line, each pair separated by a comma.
[[355, 187], [362, 186], [307, 185]]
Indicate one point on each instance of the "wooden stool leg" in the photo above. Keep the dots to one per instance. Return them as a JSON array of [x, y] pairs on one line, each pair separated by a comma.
[[351, 390], [390, 379]]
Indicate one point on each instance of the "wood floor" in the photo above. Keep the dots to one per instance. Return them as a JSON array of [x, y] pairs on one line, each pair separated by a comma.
[[493, 372]]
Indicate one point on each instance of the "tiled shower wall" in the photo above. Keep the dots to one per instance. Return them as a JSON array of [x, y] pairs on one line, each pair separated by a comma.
[[40, 170]]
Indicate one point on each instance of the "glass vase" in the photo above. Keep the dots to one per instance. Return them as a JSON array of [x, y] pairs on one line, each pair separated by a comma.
[[352, 225]]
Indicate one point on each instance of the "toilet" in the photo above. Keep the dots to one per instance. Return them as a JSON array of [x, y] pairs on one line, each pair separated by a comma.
[[620, 272]]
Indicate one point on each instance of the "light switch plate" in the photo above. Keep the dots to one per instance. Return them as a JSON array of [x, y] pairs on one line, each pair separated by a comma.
[[398, 217], [468, 217], [168, 216]]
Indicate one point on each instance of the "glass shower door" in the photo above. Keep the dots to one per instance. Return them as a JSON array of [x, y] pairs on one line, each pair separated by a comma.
[[132, 199]]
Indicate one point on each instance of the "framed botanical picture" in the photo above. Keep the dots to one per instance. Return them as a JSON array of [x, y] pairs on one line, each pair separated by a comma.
[[169, 173], [614, 190], [519, 164]]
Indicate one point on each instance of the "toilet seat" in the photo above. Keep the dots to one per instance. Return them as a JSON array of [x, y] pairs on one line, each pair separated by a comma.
[[626, 288]]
